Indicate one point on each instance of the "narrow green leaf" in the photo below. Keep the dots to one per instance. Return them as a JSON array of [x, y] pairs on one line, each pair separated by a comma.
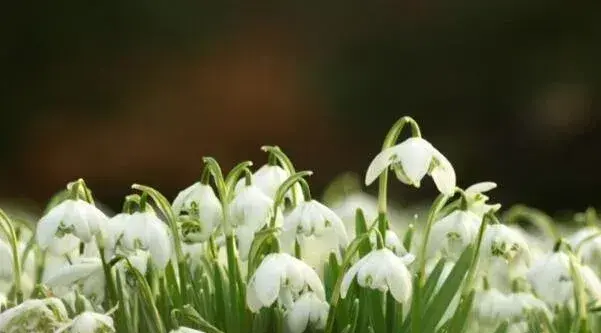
[[361, 228], [440, 302], [462, 313]]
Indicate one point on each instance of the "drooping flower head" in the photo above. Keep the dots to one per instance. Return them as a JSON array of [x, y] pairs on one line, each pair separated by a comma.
[[308, 311], [202, 211], [34, 315], [313, 219], [411, 160], [141, 230], [381, 270], [250, 210], [281, 277], [452, 234], [476, 200], [76, 218]]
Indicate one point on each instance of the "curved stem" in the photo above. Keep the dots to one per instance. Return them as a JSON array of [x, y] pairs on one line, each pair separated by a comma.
[[283, 189], [389, 141], [536, 217], [232, 177], [275, 151]]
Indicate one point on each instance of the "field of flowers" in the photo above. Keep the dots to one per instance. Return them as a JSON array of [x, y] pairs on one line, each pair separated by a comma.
[[248, 251]]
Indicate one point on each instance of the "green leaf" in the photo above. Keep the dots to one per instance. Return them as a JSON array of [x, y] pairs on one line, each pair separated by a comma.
[[503, 327], [361, 228], [441, 301], [462, 313], [191, 314]]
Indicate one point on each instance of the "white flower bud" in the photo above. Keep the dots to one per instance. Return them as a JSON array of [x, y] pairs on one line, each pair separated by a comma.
[[411, 160], [269, 178], [313, 219], [307, 311], [381, 270], [477, 201], [199, 203], [452, 234], [71, 217], [34, 315], [90, 322], [284, 276]]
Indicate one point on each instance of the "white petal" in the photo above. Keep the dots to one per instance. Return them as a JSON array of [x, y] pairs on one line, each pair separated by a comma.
[[379, 164], [399, 281], [443, 174], [48, 224], [480, 188], [268, 278], [415, 156]]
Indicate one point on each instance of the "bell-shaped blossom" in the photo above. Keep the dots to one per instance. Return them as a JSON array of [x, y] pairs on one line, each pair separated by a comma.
[[394, 244], [250, 210], [202, 207], [586, 242], [313, 219], [452, 234], [504, 255], [492, 307], [552, 280], [34, 315], [477, 200], [411, 160], [141, 230], [89, 322], [183, 329], [381, 270], [307, 311], [85, 273], [269, 178], [71, 217], [281, 277]]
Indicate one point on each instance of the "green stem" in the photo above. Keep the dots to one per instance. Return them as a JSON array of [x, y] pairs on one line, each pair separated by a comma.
[[389, 141], [536, 217], [284, 161], [283, 189], [232, 177], [438, 204]]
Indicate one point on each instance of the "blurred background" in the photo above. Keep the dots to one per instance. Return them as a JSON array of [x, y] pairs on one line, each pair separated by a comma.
[[119, 92]]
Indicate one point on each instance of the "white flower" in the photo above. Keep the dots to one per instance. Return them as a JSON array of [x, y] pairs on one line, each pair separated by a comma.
[[282, 276], [77, 217], [477, 201], [250, 210], [382, 270], [505, 255], [90, 322], [308, 310], [142, 230], [182, 329], [452, 234], [552, 281], [411, 160], [311, 218], [587, 246], [200, 203], [268, 179], [87, 273], [34, 315], [491, 307], [6, 261]]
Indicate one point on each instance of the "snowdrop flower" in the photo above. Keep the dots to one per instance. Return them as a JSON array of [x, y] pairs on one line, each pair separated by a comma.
[[587, 246], [393, 243], [182, 329], [477, 201], [311, 218], [89, 322], [411, 160], [142, 230], [86, 273], [71, 217], [268, 179], [505, 255], [308, 311], [382, 270], [281, 277], [452, 234], [34, 315], [200, 203], [250, 210], [552, 281]]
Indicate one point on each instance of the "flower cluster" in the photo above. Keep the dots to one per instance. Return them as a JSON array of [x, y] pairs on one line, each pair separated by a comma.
[[255, 251]]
